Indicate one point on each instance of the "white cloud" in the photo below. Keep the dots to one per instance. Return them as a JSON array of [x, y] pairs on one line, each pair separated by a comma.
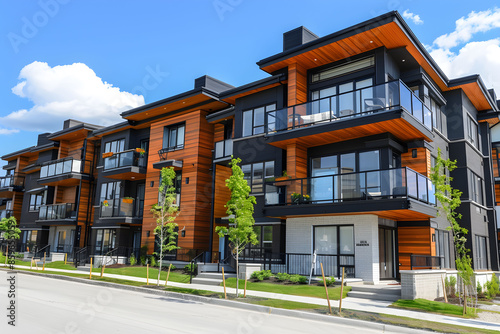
[[476, 57], [67, 91], [8, 131], [468, 26], [410, 16]]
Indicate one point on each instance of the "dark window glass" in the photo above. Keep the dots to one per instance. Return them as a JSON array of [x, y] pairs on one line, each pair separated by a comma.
[[254, 120], [256, 173], [173, 137]]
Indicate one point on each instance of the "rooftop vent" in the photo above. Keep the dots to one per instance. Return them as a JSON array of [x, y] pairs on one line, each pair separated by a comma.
[[212, 84]]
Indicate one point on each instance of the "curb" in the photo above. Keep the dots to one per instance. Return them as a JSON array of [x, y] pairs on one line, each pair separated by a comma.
[[234, 304]]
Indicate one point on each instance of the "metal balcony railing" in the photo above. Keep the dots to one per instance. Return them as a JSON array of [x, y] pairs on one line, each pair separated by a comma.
[[223, 148], [119, 207], [11, 181], [125, 159], [376, 184], [57, 211], [356, 103], [60, 167]]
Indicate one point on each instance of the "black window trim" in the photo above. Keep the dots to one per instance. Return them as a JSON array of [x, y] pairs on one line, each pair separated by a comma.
[[176, 147], [265, 125]]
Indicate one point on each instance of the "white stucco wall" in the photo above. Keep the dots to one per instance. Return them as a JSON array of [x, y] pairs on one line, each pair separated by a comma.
[[299, 238]]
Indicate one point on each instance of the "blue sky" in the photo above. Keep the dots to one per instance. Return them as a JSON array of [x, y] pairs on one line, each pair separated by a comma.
[[91, 60]]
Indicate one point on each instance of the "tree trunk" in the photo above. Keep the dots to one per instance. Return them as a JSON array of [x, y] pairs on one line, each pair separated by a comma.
[[161, 257], [237, 270]]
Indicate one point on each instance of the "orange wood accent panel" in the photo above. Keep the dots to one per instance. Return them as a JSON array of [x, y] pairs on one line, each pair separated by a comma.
[[413, 240], [218, 132], [68, 194], [297, 84], [296, 160], [398, 127], [195, 196], [17, 204], [494, 155], [420, 164], [222, 193], [63, 149], [497, 193]]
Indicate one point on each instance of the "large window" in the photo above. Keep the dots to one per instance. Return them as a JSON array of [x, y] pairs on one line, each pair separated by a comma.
[[343, 69], [256, 173], [37, 200], [173, 137], [332, 240], [110, 190], [105, 241], [475, 187], [443, 247], [30, 236], [472, 131], [254, 120], [115, 146], [481, 255], [439, 118]]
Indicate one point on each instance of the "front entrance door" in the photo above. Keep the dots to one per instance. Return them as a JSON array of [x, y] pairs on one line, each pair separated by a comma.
[[386, 251]]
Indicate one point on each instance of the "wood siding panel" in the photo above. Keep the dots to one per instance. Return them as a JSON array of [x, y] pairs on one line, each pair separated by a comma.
[[297, 84], [196, 196], [296, 162], [413, 240], [218, 132], [222, 193], [420, 164]]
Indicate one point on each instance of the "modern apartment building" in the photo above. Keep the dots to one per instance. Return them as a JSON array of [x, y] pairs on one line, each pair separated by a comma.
[[336, 143]]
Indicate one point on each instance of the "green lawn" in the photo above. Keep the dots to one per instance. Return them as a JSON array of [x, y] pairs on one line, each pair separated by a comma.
[[59, 265], [140, 271], [292, 289], [431, 307], [18, 261]]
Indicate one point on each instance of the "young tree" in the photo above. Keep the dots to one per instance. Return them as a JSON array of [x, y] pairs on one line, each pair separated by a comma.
[[8, 227], [449, 201], [240, 210], [165, 213]]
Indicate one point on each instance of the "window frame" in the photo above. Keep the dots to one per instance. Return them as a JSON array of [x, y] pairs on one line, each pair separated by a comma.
[[476, 187], [472, 131], [117, 144], [481, 262], [36, 205], [250, 180], [166, 144], [338, 250], [268, 109]]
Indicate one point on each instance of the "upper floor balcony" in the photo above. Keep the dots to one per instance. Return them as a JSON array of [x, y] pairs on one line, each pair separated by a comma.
[[64, 212], [389, 107], [11, 183], [398, 193], [223, 150], [121, 210], [65, 172], [126, 165]]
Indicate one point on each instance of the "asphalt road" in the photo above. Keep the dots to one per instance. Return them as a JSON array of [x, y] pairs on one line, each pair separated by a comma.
[[46, 305]]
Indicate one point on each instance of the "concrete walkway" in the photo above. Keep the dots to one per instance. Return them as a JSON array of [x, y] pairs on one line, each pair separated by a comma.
[[351, 303]]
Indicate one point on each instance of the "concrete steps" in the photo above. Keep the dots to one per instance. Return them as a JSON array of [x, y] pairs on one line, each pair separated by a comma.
[[376, 292], [211, 278]]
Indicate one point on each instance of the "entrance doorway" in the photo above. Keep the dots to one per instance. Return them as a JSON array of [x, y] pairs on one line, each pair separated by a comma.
[[386, 249]]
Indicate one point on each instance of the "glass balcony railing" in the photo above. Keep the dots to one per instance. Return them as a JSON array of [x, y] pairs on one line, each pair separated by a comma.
[[11, 181], [119, 207], [224, 149], [357, 103], [371, 185], [125, 159], [57, 211], [60, 167]]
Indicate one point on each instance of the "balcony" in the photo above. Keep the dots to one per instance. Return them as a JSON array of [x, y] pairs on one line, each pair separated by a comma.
[[223, 149], [400, 194], [123, 210], [57, 212], [11, 183], [126, 165], [64, 172], [352, 115]]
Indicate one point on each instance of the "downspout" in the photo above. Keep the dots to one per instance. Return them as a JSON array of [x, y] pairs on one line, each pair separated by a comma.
[[212, 209], [82, 169]]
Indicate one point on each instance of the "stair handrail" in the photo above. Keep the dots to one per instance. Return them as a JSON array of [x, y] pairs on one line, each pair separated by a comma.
[[109, 254], [41, 251], [193, 261], [224, 261], [77, 256]]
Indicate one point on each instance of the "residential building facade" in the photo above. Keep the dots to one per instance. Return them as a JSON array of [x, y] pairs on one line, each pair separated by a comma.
[[337, 145]]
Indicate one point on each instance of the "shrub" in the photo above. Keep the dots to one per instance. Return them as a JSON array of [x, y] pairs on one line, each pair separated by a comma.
[[261, 275], [329, 281], [479, 288], [282, 277], [173, 267], [298, 279], [143, 260], [132, 260], [491, 287], [450, 284], [187, 268], [152, 261]]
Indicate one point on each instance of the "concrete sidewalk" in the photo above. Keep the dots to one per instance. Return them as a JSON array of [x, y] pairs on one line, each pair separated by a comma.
[[374, 306]]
